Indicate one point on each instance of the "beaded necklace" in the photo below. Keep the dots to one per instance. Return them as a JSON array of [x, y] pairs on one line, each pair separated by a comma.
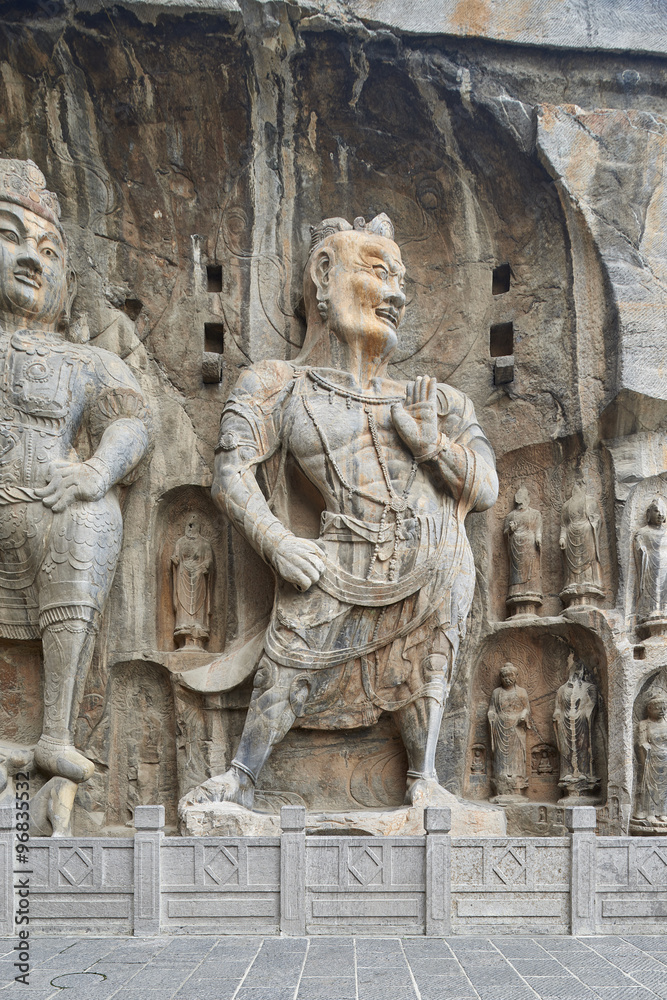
[[394, 503]]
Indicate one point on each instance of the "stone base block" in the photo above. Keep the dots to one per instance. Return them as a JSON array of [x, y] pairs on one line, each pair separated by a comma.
[[226, 819]]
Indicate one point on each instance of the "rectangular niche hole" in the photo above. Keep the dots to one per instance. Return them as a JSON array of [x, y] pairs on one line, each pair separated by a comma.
[[501, 340], [501, 279], [639, 653], [213, 338], [214, 277]]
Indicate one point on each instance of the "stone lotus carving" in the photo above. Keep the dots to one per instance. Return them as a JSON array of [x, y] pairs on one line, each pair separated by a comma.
[[574, 716], [650, 545], [60, 520], [509, 718], [192, 567], [523, 531], [369, 615], [580, 544], [650, 815]]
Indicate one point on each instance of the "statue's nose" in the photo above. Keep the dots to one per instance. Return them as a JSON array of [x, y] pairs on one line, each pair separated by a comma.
[[396, 294], [28, 255]]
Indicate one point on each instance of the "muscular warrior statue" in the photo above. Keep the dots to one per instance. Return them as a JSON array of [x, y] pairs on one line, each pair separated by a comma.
[[60, 520], [369, 615]]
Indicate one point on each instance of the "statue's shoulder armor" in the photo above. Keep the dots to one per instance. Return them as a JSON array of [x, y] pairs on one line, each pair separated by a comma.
[[262, 384], [454, 403], [111, 370]]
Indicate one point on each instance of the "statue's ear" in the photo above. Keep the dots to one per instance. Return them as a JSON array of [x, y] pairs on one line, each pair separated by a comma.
[[70, 295], [320, 270]]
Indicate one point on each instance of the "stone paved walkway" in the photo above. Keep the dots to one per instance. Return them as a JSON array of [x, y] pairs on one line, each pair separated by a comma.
[[321, 968]]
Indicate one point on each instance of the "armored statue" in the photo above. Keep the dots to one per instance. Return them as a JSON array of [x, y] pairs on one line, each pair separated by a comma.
[[574, 718], [580, 543], [651, 561], [369, 615], [509, 718], [60, 519], [523, 531], [192, 566], [650, 815]]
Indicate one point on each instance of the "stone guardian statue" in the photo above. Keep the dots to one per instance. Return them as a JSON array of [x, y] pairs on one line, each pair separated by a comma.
[[60, 520], [574, 718], [509, 718], [580, 544], [192, 565], [523, 531], [368, 616], [650, 546], [650, 815]]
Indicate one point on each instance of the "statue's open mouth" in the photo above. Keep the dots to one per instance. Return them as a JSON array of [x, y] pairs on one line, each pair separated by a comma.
[[390, 314], [28, 278]]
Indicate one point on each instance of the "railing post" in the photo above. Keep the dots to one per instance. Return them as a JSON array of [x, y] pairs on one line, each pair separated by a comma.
[[7, 928], [581, 822], [293, 871], [149, 826], [438, 823]]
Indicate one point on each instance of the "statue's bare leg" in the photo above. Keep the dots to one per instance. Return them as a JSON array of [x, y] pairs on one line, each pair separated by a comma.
[[68, 650], [419, 726], [270, 717]]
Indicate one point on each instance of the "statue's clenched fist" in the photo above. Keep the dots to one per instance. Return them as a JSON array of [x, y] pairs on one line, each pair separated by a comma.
[[299, 561]]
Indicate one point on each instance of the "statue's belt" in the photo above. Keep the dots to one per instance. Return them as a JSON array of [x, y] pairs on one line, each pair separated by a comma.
[[18, 494]]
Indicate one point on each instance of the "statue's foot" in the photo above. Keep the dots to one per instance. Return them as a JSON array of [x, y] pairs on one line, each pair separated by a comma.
[[232, 786], [62, 760], [422, 792]]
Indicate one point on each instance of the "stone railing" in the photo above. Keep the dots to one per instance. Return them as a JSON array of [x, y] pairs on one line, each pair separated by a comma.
[[297, 884]]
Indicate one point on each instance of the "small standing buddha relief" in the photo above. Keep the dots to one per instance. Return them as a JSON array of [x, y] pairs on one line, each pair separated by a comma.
[[192, 565], [523, 531], [580, 544], [650, 545], [577, 702], [650, 813], [509, 718]]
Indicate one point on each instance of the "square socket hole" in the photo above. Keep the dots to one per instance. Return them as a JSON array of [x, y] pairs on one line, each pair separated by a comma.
[[501, 279], [213, 338], [501, 340], [214, 277]]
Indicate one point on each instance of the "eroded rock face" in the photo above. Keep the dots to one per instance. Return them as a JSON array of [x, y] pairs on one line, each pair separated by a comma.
[[191, 147]]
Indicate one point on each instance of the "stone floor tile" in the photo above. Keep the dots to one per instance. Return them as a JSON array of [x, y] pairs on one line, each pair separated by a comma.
[[155, 977], [625, 993], [265, 993], [274, 978], [325, 967], [434, 966], [538, 966], [115, 972], [204, 989], [558, 988], [17, 991], [445, 987], [381, 992], [326, 987], [647, 942], [653, 980], [513, 991]]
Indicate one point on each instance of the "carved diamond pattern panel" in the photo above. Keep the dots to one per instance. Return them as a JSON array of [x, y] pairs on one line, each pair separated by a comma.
[[654, 868], [366, 865], [222, 866], [510, 869], [75, 867]]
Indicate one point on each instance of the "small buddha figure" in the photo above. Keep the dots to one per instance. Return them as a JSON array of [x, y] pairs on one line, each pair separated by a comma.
[[580, 544], [650, 815], [523, 531], [650, 546], [574, 718], [192, 567], [509, 718]]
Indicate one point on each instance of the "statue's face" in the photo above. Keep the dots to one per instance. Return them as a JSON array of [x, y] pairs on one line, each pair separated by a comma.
[[508, 677], [521, 498], [656, 710], [33, 275], [656, 513], [192, 527], [366, 296]]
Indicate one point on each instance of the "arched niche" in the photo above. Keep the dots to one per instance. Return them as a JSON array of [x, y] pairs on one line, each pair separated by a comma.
[[142, 742], [174, 509], [541, 657], [634, 518]]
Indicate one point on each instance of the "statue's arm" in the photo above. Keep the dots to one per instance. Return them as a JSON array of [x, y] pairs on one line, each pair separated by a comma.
[[236, 491]]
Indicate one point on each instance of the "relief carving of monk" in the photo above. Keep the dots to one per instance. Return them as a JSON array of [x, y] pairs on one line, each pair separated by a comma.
[[192, 565], [650, 545], [368, 616], [60, 520]]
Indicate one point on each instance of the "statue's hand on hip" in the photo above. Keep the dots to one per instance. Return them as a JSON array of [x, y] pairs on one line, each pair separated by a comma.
[[416, 420], [299, 561], [69, 482]]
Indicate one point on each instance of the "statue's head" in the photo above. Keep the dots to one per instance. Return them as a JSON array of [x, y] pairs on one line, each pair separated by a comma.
[[657, 511], [35, 285], [508, 675], [193, 525], [354, 282], [656, 707], [522, 497]]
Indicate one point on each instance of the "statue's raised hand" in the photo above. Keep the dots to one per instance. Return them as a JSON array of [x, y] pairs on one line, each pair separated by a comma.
[[71, 481], [299, 561], [416, 420]]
